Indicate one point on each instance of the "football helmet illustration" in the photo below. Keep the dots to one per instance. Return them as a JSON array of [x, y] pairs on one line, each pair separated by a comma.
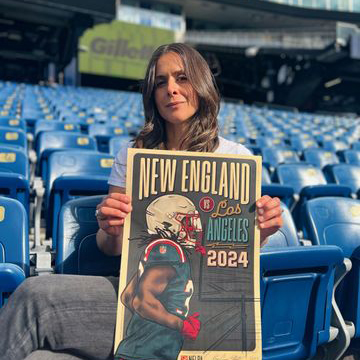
[[175, 214]]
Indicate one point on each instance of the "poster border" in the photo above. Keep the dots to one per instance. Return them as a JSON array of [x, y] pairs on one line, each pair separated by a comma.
[[120, 315]]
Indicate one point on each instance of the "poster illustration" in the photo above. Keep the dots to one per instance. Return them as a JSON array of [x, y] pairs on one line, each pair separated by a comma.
[[189, 279]]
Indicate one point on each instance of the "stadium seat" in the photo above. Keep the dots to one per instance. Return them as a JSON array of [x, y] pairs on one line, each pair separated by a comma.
[[336, 221], [72, 174], [345, 174], [13, 137], [273, 156], [350, 156], [52, 125], [50, 141], [13, 123], [14, 246], [320, 157], [296, 293], [14, 174], [334, 145], [308, 182], [77, 252], [301, 143], [103, 133], [266, 141]]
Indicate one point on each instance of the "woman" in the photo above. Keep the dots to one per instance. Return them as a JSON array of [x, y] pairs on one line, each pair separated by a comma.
[[73, 317], [181, 105]]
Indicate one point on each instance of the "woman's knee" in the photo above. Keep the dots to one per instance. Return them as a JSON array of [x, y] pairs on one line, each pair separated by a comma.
[[30, 290]]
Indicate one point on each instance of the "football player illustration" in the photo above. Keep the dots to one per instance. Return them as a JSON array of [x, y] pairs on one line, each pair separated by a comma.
[[159, 294]]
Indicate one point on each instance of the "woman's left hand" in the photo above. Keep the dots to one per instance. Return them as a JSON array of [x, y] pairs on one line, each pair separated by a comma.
[[269, 217]]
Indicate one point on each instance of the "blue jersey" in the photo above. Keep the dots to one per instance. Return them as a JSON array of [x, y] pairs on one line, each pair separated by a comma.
[[148, 340]]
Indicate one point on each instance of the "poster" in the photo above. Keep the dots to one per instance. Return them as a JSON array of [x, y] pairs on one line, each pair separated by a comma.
[[189, 279]]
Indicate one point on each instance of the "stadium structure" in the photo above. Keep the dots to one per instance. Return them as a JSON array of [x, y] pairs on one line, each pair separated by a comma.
[[288, 71]]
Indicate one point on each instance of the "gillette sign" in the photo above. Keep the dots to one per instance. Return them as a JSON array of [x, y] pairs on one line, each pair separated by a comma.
[[120, 49]]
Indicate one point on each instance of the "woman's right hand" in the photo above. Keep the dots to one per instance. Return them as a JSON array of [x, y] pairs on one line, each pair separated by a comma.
[[111, 212]]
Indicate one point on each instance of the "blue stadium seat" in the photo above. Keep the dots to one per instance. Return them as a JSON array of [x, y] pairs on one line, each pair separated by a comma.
[[13, 123], [320, 157], [356, 145], [50, 141], [14, 174], [296, 292], [77, 252], [273, 156], [103, 133], [267, 141], [334, 145], [350, 156], [308, 182], [72, 174], [299, 143], [13, 137], [52, 125], [14, 246], [345, 174], [336, 221]]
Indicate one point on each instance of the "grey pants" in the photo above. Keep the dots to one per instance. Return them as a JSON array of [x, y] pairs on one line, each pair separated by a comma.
[[68, 317]]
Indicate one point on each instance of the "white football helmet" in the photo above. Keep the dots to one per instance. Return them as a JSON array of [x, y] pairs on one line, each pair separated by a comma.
[[175, 214]]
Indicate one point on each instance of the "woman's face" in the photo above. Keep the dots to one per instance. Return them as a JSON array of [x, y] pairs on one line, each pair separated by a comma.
[[175, 98]]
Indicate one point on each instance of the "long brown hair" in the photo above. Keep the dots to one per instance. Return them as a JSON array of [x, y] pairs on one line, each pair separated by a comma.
[[202, 133]]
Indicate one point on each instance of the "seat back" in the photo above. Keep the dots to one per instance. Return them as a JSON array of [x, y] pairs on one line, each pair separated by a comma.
[[13, 123], [73, 174], [299, 175], [13, 137], [302, 143], [50, 141], [296, 286], [104, 132], [266, 141], [320, 157], [336, 221], [104, 129], [277, 155], [62, 139], [72, 162], [14, 160], [52, 125], [14, 243], [334, 145], [352, 157], [346, 174], [77, 252]]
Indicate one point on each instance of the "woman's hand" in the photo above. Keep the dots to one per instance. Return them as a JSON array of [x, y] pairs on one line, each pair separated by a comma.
[[269, 217], [111, 212]]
